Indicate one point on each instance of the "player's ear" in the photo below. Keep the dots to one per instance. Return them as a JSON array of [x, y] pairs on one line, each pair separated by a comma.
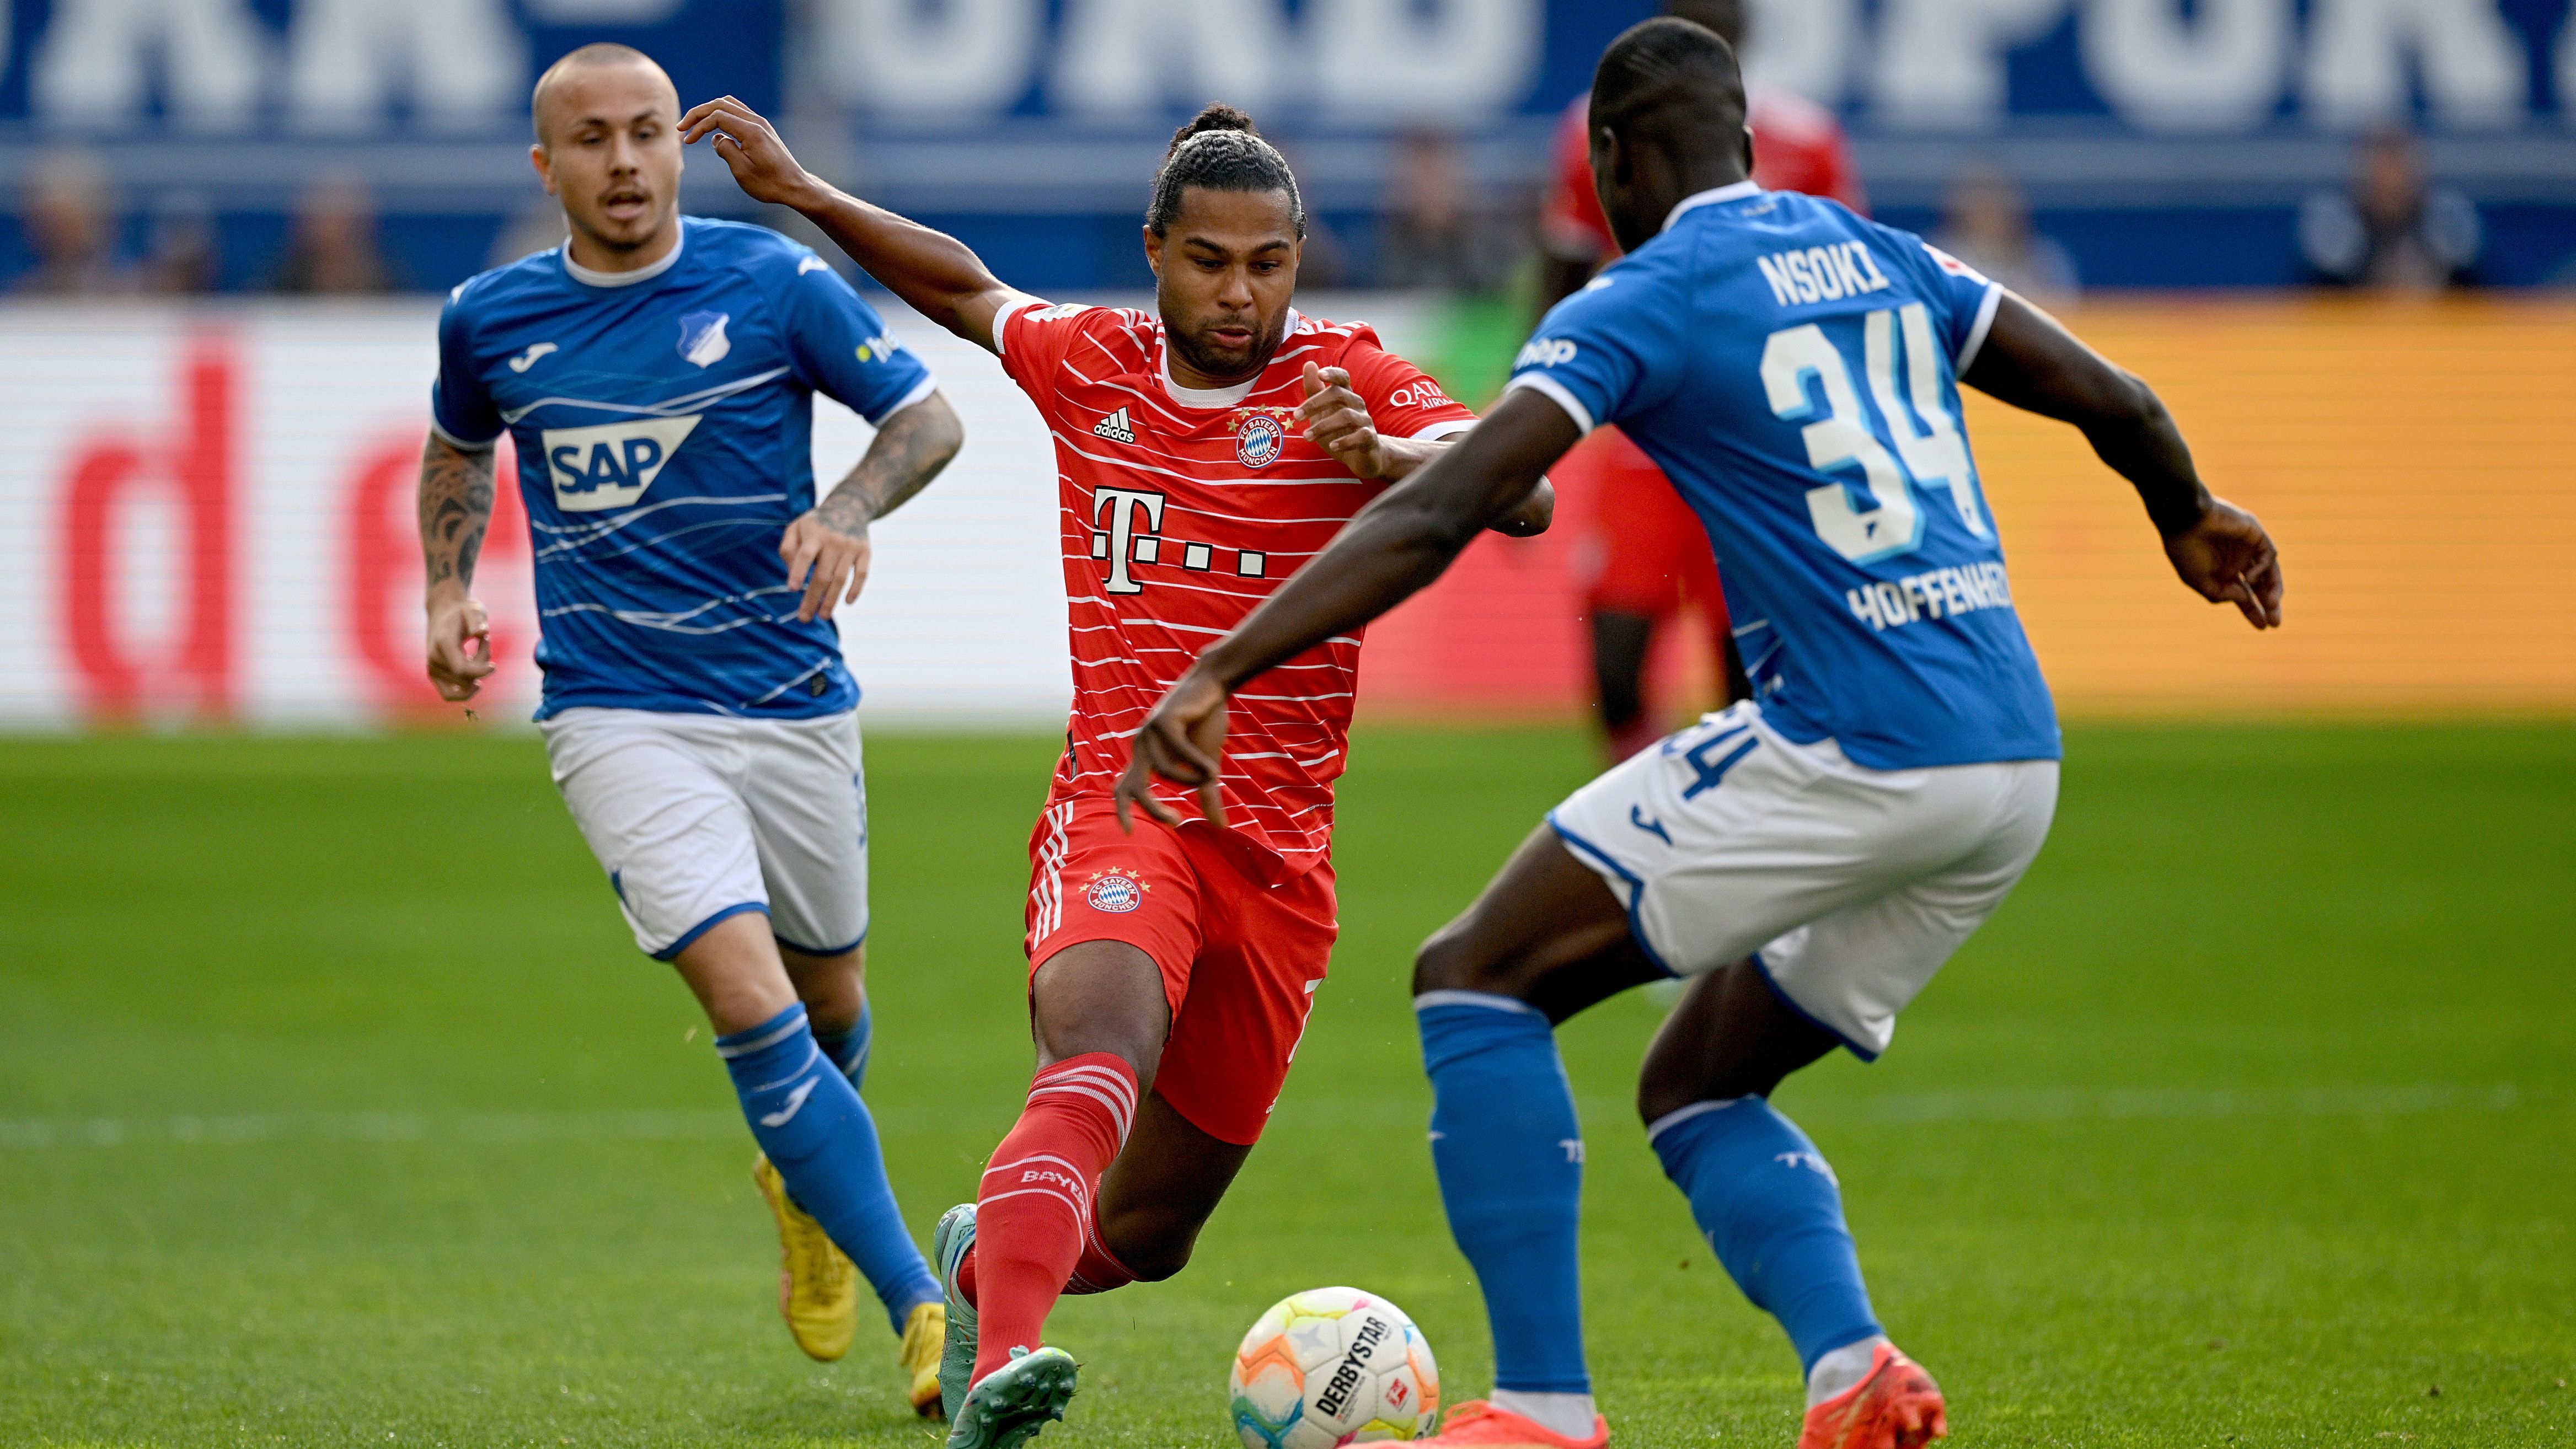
[[538, 158], [1154, 252]]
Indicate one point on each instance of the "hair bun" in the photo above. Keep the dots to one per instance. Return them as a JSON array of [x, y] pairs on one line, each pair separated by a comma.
[[1214, 118]]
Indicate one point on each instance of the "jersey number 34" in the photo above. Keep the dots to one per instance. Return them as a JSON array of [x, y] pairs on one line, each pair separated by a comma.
[[1839, 435]]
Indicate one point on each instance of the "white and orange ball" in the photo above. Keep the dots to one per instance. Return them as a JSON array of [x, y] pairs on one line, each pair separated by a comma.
[[1333, 1366]]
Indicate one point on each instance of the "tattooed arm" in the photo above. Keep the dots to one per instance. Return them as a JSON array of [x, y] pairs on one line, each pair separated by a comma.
[[827, 550], [455, 508]]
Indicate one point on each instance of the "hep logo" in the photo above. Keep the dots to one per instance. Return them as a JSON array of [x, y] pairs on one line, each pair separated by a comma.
[[1545, 352]]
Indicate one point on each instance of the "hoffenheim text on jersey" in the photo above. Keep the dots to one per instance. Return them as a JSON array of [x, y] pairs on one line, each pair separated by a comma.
[[663, 421], [1794, 369]]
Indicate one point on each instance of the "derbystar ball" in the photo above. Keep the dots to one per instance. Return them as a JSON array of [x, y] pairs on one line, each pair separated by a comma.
[[1333, 1366]]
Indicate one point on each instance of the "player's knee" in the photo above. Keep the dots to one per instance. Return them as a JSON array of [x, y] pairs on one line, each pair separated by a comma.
[[1452, 961]]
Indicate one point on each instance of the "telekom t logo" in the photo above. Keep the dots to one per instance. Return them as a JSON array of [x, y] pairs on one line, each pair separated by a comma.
[[1122, 504]]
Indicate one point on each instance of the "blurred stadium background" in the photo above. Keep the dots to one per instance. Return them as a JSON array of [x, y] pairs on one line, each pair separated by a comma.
[[234, 217]]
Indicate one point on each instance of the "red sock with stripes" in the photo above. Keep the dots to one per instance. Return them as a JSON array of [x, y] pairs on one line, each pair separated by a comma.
[[1033, 1211]]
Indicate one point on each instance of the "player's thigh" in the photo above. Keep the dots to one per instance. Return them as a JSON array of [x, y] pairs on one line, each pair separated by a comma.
[[1092, 886], [1545, 930], [653, 801], [1251, 992], [1852, 972], [807, 794], [1726, 835]]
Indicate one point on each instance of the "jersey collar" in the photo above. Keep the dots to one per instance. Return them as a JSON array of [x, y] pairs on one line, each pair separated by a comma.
[[590, 278], [1219, 397], [1736, 192]]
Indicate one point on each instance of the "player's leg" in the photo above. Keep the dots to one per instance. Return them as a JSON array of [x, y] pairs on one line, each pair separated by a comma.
[[802, 787], [1761, 1191], [1620, 644], [1545, 940]]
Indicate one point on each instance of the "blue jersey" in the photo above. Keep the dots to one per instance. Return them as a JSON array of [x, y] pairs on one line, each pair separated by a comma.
[[663, 421], [1794, 370]]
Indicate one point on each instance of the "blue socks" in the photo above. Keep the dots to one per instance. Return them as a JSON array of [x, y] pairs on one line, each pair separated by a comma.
[[1509, 1154], [849, 1052], [1774, 1215], [808, 1118]]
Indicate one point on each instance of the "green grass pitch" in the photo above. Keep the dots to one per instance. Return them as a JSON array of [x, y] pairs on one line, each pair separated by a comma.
[[336, 1109]]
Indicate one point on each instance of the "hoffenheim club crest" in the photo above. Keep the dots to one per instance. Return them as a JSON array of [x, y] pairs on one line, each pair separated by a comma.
[[1259, 440], [702, 337]]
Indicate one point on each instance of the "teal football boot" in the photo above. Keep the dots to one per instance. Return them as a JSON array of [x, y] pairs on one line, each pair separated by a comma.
[[949, 1243], [1015, 1401]]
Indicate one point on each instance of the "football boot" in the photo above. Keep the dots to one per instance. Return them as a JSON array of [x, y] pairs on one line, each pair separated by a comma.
[[949, 1244], [818, 1286], [1008, 1406], [1894, 1406], [925, 1336], [1479, 1423]]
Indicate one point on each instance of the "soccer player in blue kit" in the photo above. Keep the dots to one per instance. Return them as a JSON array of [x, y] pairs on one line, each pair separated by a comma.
[[1810, 856], [656, 374]]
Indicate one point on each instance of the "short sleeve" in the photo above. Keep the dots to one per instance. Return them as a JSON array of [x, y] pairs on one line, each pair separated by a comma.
[[1034, 336], [1402, 400], [1610, 351], [1965, 297], [460, 409], [841, 347]]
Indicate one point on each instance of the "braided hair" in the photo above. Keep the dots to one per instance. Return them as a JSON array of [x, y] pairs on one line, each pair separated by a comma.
[[1220, 150]]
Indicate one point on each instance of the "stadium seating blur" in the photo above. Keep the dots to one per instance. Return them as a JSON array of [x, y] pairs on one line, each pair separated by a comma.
[[205, 513]]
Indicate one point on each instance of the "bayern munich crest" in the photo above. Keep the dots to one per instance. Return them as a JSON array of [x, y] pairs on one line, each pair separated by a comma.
[[1116, 892], [1258, 441]]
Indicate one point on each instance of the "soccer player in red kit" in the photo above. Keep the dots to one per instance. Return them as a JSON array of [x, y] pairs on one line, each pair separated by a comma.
[[1204, 452], [1642, 557]]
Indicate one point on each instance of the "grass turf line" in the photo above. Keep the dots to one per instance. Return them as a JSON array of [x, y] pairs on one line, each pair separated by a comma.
[[336, 1107]]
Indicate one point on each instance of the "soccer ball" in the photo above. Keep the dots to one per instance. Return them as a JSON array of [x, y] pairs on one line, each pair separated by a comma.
[[1333, 1366]]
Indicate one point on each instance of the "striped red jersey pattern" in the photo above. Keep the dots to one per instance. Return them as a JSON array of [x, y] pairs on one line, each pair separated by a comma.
[[1181, 510]]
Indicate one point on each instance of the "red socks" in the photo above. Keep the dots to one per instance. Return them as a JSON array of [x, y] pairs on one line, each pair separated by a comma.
[[1033, 1213]]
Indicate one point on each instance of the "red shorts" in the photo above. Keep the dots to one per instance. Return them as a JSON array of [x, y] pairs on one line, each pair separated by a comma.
[[1240, 959], [1642, 551]]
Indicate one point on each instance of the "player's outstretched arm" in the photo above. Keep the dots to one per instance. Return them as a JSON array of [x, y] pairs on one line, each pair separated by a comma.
[[455, 509], [938, 275], [827, 549], [2221, 550], [1395, 547]]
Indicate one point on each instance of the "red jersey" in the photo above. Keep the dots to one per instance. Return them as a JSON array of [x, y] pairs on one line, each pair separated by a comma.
[[1181, 510], [1797, 146]]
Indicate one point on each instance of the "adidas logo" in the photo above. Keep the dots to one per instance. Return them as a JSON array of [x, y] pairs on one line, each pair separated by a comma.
[[1116, 427]]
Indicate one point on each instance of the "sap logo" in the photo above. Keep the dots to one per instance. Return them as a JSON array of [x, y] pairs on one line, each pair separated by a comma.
[[1845, 269], [611, 465], [1423, 394], [702, 337], [1545, 352], [880, 348]]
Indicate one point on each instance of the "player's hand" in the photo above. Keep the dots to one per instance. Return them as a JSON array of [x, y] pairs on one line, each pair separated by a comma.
[[1183, 740], [2229, 559], [830, 565], [1335, 417], [762, 165], [460, 646]]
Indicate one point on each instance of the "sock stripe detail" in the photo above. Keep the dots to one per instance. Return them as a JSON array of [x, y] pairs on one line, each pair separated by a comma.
[[1485, 999], [1116, 1085], [779, 1028], [1119, 1112], [1670, 1120], [1032, 1158]]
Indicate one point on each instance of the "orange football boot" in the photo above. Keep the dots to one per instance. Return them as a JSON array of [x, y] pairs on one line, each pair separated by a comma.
[[1479, 1423], [1894, 1406]]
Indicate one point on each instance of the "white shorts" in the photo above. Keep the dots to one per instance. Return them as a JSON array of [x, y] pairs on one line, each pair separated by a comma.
[[1847, 887], [699, 817]]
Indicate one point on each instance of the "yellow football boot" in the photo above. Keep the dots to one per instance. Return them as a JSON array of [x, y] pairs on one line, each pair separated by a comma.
[[924, 1334], [818, 1286]]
